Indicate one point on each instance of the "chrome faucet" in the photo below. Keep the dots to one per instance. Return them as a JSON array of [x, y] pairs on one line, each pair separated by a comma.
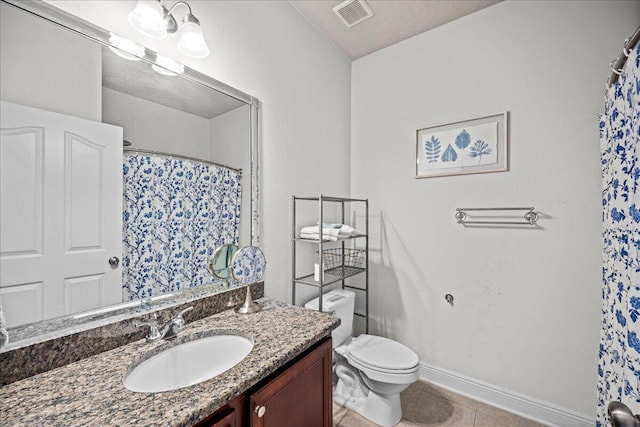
[[170, 329], [621, 415]]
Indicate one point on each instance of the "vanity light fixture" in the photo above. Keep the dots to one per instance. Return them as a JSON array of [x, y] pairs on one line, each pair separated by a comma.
[[126, 48], [152, 19], [167, 66]]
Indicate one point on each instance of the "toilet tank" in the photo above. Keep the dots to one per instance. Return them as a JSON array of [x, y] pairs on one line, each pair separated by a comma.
[[341, 302]]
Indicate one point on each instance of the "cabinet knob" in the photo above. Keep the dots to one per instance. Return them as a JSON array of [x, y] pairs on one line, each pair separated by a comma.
[[114, 261], [260, 410]]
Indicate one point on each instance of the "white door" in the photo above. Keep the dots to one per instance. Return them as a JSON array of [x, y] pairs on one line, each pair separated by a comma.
[[61, 214]]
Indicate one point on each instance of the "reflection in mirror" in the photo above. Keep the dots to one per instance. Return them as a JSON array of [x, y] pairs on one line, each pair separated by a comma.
[[247, 267], [184, 187], [220, 262]]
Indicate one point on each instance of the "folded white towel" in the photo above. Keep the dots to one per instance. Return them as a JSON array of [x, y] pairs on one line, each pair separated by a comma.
[[345, 229], [342, 231], [325, 231], [316, 236]]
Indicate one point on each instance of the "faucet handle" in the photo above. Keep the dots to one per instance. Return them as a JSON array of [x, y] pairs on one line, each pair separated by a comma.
[[178, 320], [179, 316], [154, 332]]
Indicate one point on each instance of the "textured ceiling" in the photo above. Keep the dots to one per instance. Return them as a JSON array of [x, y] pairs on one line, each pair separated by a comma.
[[394, 21]]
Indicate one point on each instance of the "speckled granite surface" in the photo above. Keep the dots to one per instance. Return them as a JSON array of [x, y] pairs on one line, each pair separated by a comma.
[[78, 342], [90, 392]]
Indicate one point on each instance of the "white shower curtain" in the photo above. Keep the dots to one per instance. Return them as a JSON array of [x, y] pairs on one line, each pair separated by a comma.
[[619, 363]]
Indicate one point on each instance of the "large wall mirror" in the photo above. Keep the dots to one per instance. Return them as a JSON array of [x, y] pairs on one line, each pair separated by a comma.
[[122, 172]]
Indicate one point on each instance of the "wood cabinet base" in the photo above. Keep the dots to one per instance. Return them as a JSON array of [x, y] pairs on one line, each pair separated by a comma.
[[298, 395]]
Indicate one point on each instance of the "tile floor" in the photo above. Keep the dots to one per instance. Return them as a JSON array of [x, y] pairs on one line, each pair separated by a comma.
[[425, 404]]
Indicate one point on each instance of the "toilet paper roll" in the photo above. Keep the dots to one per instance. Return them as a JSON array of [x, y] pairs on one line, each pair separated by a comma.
[[317, 272]]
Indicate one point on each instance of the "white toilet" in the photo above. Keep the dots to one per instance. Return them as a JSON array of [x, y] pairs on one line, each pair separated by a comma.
[[371, 370]]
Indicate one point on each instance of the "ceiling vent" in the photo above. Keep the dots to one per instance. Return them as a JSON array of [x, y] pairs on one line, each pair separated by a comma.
[[352, 12]]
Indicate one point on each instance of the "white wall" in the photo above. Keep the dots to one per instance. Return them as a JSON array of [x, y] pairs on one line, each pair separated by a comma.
[[230, 138], [41, 67], [266, 49], [527, 301], [151, 126], [230, 144]]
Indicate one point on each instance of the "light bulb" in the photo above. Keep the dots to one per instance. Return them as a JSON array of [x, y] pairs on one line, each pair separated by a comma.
[[148, 18], [167, 66], [191, 38], [126, 48]]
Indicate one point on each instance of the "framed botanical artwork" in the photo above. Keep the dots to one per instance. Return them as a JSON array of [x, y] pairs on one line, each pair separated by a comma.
[[470, 146]]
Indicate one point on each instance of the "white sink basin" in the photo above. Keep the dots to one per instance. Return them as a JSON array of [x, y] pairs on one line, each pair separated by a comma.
[[188, 364]]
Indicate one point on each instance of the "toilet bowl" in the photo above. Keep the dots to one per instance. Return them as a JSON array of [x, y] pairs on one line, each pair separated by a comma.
[[372, 371]]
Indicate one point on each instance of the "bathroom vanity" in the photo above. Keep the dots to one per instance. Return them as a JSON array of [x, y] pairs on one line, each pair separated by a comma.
[[286, 376], [297, 395]]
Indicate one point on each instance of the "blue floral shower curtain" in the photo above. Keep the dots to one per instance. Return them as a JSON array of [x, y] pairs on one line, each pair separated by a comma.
[[619, 364], [176, 213]]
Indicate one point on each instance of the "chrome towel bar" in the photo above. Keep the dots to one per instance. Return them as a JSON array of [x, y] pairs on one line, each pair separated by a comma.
[[530, 217]]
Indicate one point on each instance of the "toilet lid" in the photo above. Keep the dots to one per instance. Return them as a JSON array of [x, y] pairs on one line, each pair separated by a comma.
[[381, 354]]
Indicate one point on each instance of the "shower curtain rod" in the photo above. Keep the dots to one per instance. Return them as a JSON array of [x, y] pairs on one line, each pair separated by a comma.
[[178, 156], [618, 63]]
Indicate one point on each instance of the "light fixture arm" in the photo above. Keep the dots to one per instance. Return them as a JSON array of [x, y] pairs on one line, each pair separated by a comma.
[[170, 11], [170, 20]]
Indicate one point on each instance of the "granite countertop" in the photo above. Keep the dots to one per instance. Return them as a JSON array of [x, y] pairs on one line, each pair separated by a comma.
[[91, 392]]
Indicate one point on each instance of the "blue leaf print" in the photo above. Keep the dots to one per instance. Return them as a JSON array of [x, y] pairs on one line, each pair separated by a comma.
[[432, 149], [463, 140], [617, 215], [634, 212], [633, 341], [479, 149], [634, 313], [449, 154], [621, 319]]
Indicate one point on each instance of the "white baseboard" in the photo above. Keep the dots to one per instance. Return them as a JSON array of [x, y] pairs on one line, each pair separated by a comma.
[[525, 406]]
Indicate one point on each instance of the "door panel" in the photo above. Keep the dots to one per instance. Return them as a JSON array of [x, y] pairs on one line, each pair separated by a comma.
[[23, 302], [61, 214], [84, 194], [21, 160], [84, 293]]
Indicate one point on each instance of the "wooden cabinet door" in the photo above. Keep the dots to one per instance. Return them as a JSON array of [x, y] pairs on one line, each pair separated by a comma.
[[227, 420], [230, 415], [299, 397]]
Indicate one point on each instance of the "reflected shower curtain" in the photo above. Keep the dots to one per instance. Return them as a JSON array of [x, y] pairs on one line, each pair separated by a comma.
[[619, 364], [176, 213]]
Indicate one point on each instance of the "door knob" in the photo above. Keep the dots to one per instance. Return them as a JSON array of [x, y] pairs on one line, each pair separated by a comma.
[[114, 261], [260, 410]]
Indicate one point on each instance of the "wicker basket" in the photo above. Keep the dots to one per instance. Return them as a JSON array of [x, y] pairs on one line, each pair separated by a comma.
[[333, 258]]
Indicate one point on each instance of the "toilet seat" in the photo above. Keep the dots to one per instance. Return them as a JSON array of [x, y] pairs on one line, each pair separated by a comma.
[[382, 359], [381, 353]]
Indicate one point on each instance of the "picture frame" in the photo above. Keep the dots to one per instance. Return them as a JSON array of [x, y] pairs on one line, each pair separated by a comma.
[[478, 145]]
